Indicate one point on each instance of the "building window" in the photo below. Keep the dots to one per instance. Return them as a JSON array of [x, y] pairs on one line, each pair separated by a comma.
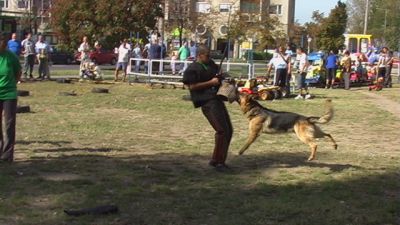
[[22, 4], [250, 6], [225, 7], [275, 9], [3, 3], [203, 7]]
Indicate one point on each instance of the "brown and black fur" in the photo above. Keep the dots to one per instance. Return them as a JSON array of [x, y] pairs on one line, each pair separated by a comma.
[[264, 120]]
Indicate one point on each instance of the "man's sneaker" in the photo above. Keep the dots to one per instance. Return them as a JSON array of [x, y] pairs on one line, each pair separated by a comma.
[[308, 96], [299, 97]]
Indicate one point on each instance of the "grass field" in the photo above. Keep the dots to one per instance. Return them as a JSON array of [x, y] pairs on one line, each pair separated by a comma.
[[146, 150]]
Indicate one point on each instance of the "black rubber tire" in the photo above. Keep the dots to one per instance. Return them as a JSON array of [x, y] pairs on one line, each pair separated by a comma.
[[63, 80], [22, 93], [100, 90], [23, 109], [67, 94]]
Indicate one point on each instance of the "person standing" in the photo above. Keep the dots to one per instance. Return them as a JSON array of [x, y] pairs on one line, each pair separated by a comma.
[[14, 45], [382, 62], [123, 58], [389, 65], [301, 57], [183, 54], [155, 54], [281, 64], [43, 51], [331, 67], [193, 50], [10, 73], [203, 82], [346, 69], [84, 49], [137, 53], [28, 49]]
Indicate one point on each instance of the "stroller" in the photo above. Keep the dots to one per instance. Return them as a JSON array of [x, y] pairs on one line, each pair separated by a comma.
[[91, 71]]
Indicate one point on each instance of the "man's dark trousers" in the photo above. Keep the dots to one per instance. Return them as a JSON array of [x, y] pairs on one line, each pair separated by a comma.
[[8, 108], [216, 113]]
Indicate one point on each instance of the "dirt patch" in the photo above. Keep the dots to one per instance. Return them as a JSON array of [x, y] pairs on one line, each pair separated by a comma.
[[60, 176], [384, 103]]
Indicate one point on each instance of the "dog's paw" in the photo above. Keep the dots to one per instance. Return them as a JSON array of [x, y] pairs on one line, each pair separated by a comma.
[[310, 159], [240, 153]]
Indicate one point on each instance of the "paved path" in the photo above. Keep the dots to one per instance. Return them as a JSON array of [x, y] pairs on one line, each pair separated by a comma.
[[384, 103]]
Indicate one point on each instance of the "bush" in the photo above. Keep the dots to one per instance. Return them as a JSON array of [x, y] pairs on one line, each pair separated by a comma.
[[259, 55]]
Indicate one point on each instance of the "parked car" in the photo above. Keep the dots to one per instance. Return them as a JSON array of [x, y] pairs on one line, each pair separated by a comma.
[[100, 57], [61, 57]]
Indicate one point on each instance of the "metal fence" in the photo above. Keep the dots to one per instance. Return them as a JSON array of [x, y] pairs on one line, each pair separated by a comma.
[[171, 71]]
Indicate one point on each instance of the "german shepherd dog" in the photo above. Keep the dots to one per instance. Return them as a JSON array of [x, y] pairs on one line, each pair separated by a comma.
[[268, 121]]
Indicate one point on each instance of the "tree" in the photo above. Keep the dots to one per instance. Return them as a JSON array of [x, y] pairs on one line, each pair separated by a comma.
[[313, 28], [107, 21], [384, 23], [298, 34], [332, 29], [356, 12], [381, 13], [180, 18], [262, 27]]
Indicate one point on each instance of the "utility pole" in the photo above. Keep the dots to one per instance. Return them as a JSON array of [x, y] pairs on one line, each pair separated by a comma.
[[366, 16]]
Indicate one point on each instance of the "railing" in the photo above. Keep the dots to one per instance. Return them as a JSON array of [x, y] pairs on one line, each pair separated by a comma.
[[171, 71]]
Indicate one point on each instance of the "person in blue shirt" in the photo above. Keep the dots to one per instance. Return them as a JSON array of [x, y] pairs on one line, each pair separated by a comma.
[[331, 67], [14, 45]]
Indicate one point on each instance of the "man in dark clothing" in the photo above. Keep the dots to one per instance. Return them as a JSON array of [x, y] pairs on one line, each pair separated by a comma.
[[202, 79], [155, 53]]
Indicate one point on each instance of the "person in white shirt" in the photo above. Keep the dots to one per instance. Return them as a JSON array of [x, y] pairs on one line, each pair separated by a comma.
[[281, 63], [123, 58], [84, 49], [382, 62], [28, 49], [43, 51], [137, 53], [303, 64]]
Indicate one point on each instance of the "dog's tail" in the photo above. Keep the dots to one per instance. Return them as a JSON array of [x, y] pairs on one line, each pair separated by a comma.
[[326, 117]]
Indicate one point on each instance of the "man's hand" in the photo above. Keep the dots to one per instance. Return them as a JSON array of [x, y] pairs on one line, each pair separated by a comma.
[[215, 81]]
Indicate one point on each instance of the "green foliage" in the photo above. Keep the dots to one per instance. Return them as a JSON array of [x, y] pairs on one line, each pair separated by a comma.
[[332, 29], [381, 13], [107, 21], [261, 28], [385, 13], [259, 55]]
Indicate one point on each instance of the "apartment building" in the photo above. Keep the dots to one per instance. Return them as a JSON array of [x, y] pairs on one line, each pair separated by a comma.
[[20, 16], [207, 20]]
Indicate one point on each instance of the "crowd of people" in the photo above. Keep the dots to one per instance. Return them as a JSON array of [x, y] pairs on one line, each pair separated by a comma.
[[336, 68], [31, 51]]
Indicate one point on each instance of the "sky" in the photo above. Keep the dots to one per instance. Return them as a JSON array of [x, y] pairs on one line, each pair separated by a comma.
[[304, 8]]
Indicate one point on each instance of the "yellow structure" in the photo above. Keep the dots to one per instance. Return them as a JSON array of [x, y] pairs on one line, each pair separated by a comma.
[[357, 43]]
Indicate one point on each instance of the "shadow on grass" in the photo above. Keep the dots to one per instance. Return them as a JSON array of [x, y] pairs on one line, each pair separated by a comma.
[[71, 149], [288, 160], [182, 189], [56, 143]]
